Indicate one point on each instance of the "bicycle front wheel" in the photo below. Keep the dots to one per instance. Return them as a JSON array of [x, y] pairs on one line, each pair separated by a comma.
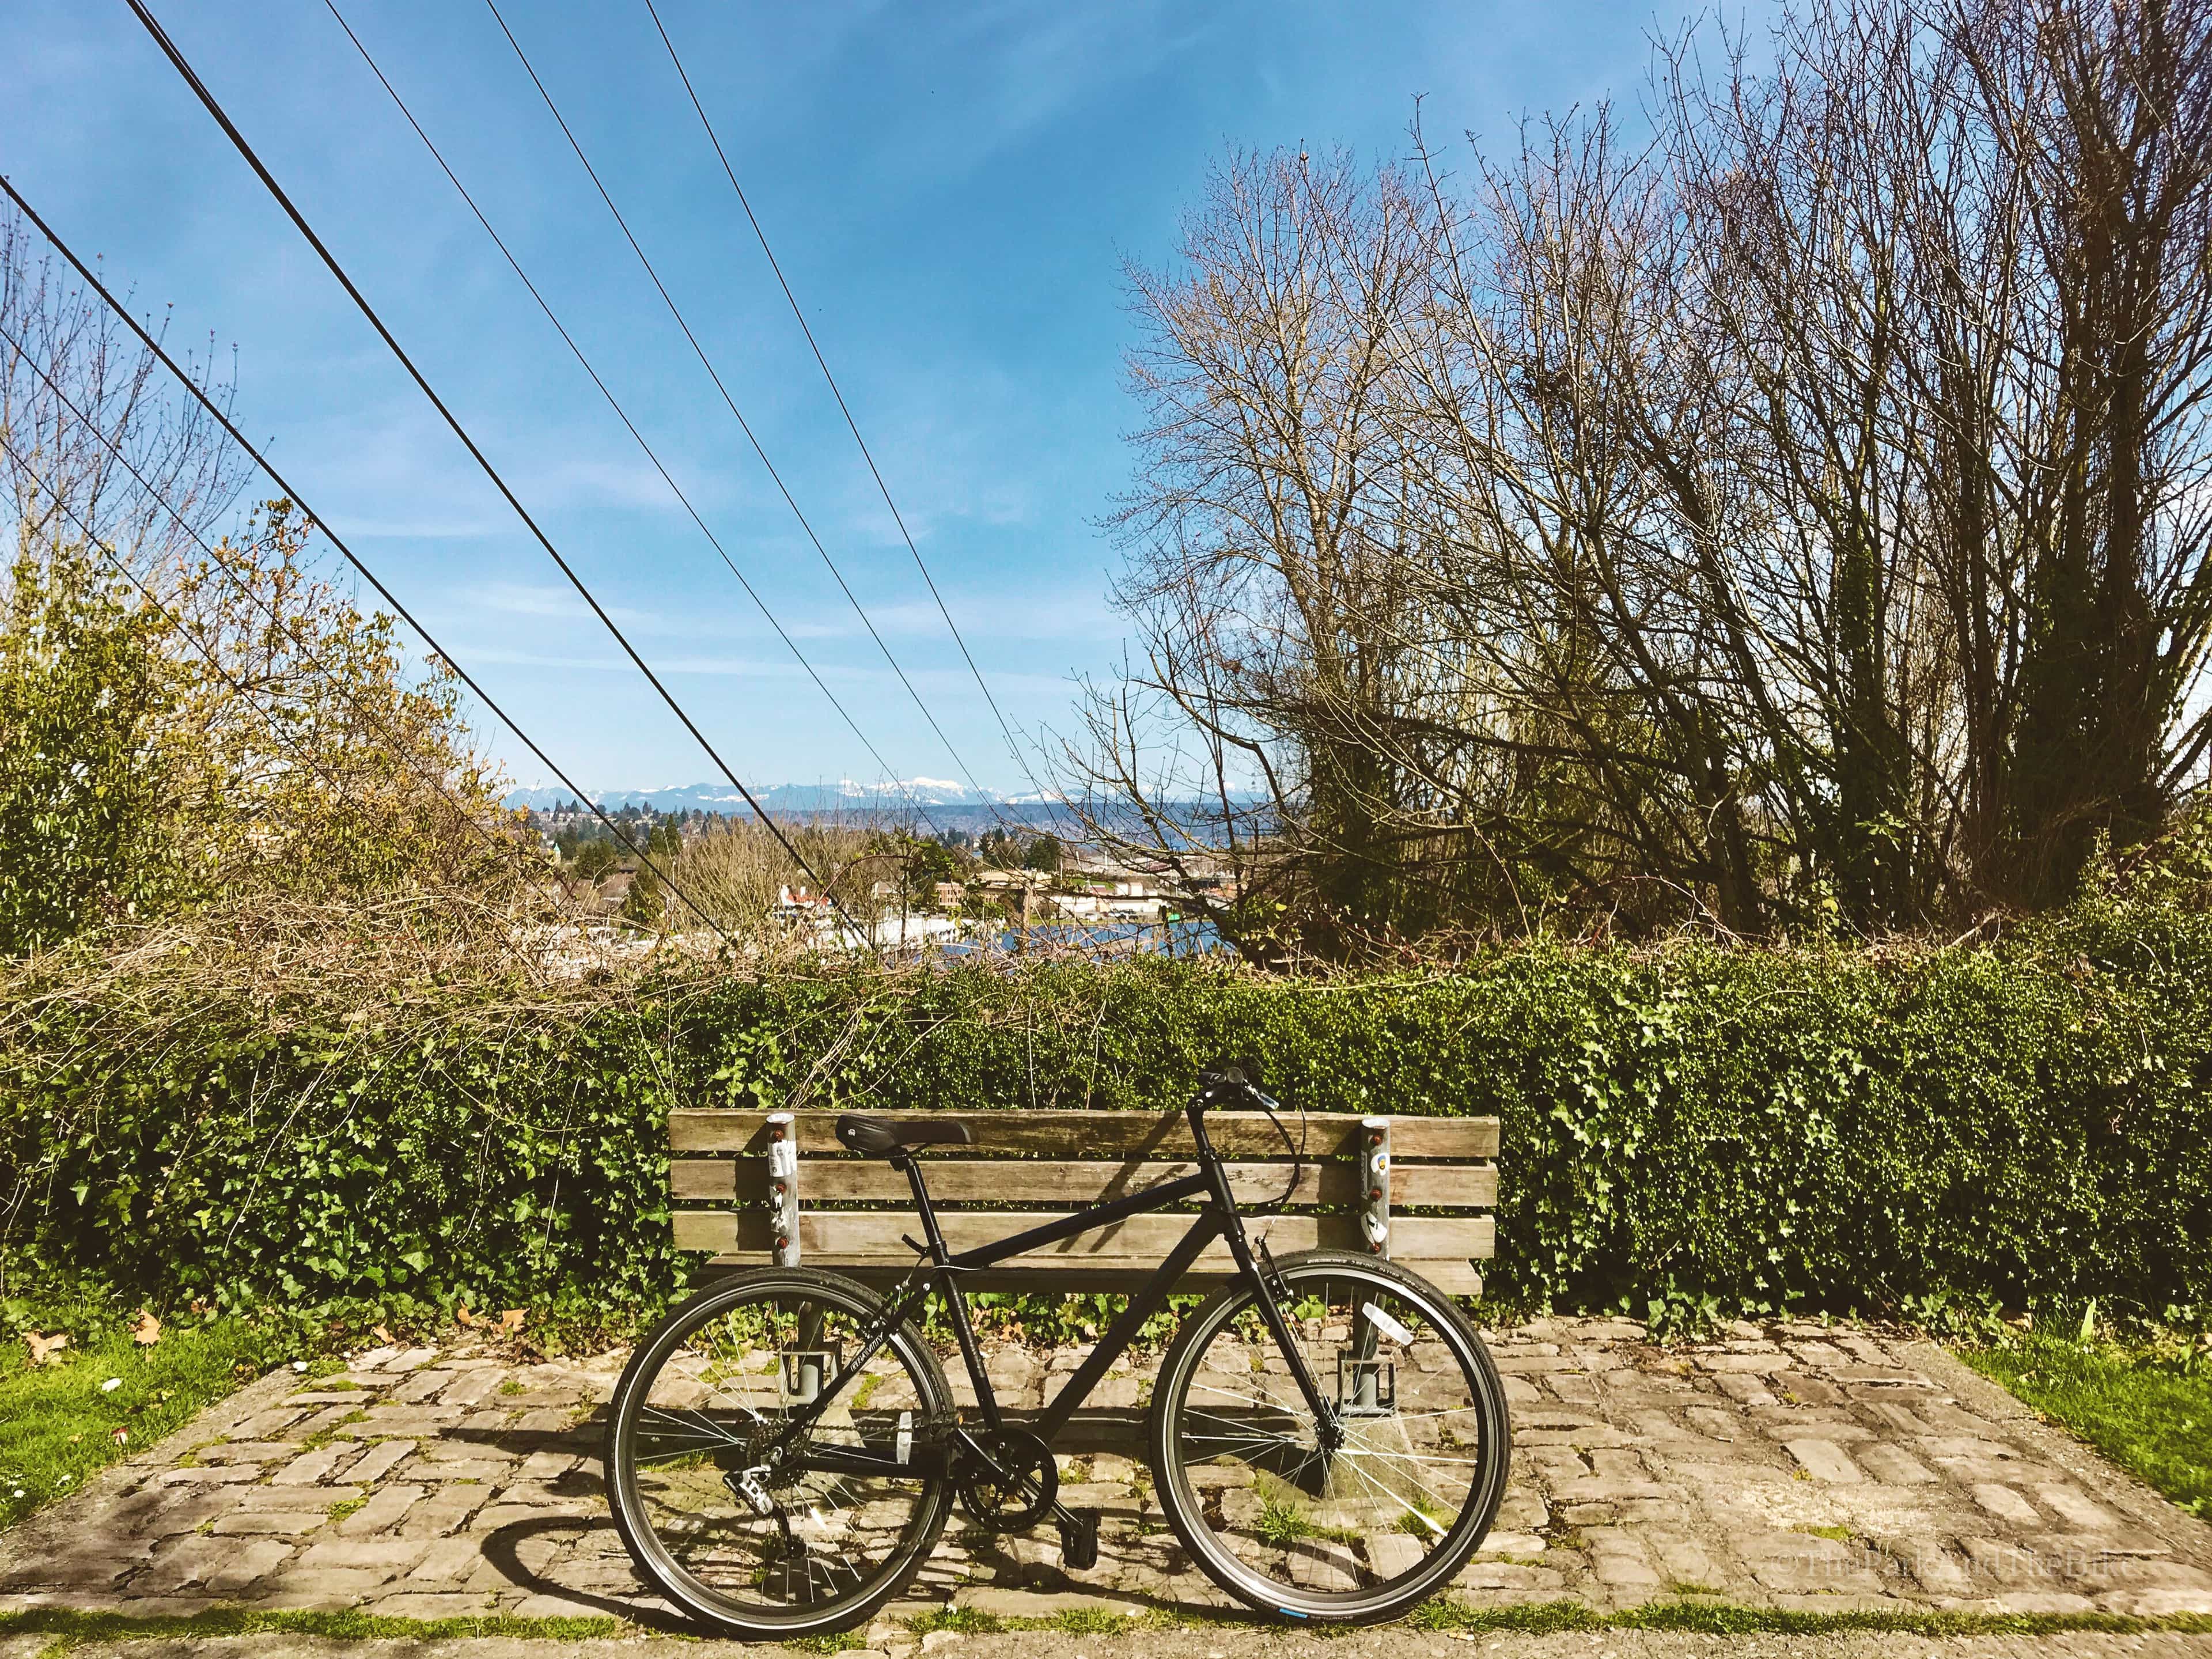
[[710, 1388], [1355, 1524]]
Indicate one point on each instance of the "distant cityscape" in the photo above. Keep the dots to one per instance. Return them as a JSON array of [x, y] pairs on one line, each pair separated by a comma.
[[928, 870]]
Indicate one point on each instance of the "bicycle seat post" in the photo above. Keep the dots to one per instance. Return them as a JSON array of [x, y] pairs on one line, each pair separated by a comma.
[[910, 1166], [955, 1308]]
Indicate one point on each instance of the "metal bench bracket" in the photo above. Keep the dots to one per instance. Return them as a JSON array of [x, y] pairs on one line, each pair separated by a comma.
[[783, 1186]]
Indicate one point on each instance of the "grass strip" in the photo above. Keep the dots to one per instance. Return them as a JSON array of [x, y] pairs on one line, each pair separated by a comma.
[[2151, 1416], [1535, 1619], [1727, 1618], [60, 1421], [351, 1626], [1077, 1621]]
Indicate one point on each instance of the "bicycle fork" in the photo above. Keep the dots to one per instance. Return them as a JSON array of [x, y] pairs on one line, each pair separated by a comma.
[[1328, 1427]]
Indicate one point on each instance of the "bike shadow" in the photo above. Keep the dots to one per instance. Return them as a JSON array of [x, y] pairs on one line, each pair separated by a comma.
[[506, 1548]]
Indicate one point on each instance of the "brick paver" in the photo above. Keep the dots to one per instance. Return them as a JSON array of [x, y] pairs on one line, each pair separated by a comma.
[[1800, 1466]]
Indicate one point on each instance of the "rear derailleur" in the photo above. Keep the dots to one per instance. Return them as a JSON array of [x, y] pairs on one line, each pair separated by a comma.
[[747, 1486]]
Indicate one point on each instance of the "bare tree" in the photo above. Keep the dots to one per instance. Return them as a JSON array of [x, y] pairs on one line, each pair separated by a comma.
[[87, 414], [2099, 115], [1792, 516]]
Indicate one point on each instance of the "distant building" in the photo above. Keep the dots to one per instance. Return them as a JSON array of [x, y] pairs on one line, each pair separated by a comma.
[[613, 888], [795, 903], [1011, 881]]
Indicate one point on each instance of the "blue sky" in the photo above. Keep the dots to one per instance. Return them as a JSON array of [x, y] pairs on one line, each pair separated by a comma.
[[951, 189]]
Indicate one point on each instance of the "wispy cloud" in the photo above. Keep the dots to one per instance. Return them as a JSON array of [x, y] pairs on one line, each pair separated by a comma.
[[454, 528], [521, 599], [1030, 63], [1075, 614], [942, 687], [507, 658]]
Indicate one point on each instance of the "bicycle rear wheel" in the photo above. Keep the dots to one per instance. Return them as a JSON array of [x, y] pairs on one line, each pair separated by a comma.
[[1356, 1532], [709, 1389]]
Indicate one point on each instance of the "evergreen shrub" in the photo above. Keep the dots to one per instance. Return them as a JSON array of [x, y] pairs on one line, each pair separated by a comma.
[[1690, 1127]]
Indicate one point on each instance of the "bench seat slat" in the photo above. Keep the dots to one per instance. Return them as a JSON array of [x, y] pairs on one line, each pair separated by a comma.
[[1072, 1134], [824, 1237], [1023, 1181]]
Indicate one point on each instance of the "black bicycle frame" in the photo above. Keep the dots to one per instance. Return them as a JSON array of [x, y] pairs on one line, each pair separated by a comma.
[[941, 1271]]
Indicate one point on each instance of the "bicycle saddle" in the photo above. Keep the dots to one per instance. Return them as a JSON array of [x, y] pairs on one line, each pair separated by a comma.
[[876, 1137]]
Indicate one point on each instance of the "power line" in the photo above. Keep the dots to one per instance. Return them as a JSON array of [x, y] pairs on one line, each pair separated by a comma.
[[329, 260], [612, 401], [114, 448], [222, 419], [897, 518], [315, 519], [744, 425]]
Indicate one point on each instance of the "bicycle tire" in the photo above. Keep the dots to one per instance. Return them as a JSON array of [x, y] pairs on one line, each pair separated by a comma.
[[1244, 1449], [650, 1537]]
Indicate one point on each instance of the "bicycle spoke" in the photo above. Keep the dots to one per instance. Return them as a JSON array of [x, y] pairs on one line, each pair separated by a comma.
[[732, 1389], [1272, 1515], [1447, 1411], [1251, 1399], [1422, 1458], [1362, 1475], [714, 1436]]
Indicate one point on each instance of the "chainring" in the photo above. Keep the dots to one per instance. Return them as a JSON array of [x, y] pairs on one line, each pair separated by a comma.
[[1017, 1489]]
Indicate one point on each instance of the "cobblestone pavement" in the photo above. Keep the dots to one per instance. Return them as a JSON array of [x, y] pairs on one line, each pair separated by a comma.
[[1804, 1466]]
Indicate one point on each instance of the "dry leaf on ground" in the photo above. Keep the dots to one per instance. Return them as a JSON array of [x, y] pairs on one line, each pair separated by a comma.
[[43, 1348], [511, 1319], [147, 1331], [463, 1316], [381, 1335]]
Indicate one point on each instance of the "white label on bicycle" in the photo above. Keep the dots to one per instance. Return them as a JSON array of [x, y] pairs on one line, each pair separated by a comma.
[[1382, 1322], [905, 1435]]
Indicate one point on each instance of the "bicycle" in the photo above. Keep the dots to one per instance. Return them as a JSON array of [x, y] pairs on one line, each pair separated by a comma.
[[1327, 1436]]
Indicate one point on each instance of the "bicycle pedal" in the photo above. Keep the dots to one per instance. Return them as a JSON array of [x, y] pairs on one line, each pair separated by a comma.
[[1078, 1541]]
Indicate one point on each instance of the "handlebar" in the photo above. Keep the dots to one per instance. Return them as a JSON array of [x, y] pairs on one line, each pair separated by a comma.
[[1233, 1080], [1239, 1079], [1222, 1082]]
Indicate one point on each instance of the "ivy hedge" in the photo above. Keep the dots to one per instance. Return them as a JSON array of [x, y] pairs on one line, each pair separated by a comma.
[[1694, 1126]]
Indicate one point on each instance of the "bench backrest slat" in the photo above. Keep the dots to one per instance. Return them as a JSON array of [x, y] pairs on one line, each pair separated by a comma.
[[1026, 1167], [866, 1234], [1036, 1181], [1106, 1135]]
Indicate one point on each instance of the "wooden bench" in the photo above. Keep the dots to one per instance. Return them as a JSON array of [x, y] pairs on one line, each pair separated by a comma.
[[756, 1188]]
